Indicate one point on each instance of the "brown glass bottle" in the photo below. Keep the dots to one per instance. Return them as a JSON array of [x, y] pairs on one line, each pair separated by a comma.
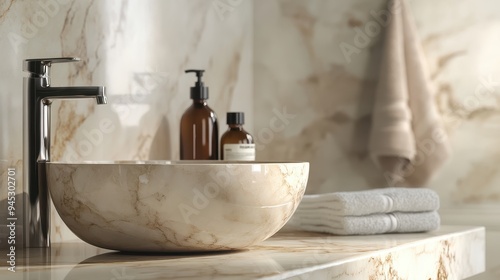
[[199, 132], [236, 143]]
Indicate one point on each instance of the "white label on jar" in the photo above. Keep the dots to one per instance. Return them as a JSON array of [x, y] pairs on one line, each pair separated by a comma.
[[239, 151]]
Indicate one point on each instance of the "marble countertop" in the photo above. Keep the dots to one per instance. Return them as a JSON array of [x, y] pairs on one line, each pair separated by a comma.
[[452, 252]]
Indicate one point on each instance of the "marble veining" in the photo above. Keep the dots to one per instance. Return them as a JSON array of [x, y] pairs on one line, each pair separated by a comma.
[[448, 253], [176, 206]]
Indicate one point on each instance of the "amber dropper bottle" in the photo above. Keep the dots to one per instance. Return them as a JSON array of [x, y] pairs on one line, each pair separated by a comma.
[[236, 143], [199, 132]]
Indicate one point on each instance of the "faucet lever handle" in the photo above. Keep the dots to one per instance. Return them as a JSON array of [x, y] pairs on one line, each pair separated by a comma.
[[40, 66]]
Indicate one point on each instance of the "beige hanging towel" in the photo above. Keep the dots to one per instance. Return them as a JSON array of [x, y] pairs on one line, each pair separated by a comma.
[[407, 139]]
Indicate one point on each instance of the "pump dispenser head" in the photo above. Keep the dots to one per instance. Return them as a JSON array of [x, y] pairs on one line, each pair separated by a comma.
[[199, 91]]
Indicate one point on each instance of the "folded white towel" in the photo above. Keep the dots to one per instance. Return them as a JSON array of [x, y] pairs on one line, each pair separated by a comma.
[[362, 225], [368, 202]]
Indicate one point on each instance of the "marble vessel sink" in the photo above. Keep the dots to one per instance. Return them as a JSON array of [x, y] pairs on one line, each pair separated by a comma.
[[161, 206]]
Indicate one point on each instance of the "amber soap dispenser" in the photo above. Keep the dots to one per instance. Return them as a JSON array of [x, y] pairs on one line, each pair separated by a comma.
[[199, 133], [236, 143]]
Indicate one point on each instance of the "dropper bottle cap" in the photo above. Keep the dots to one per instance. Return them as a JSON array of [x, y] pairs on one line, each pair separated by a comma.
[[237, 118], [199, 91]]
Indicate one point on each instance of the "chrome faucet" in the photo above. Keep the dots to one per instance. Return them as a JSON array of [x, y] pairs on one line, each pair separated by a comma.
[[38, 95]]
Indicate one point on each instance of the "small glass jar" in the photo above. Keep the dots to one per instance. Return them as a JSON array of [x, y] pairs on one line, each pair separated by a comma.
[[236, 143]]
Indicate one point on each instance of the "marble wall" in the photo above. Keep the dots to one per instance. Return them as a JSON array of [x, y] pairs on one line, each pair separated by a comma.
[[139, 51], [300, 66]]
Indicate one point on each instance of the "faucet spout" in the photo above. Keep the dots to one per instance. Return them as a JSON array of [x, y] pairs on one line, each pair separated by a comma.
[[101, 97], [38, 96], [99, 93]]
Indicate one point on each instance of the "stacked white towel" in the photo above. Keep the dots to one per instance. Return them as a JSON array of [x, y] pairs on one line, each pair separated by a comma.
[[368, 212]]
